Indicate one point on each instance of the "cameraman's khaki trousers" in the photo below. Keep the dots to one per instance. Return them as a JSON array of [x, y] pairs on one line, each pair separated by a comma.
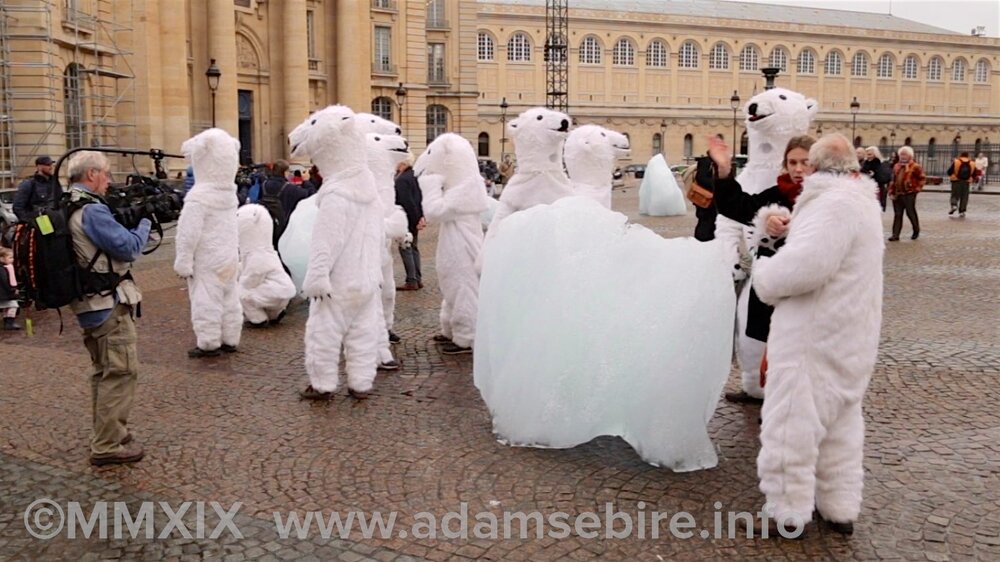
[[112, 347]]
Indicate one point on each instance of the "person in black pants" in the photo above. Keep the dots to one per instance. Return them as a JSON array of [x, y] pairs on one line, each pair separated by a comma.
[[907, 181], [409, 197]]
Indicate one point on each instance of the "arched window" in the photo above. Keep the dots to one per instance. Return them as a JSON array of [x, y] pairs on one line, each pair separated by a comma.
[[437, 121], [982, 72], [718, 58], [908, 141], [910, 67], [485, 47], [688, 55], [73, 107], [883, 141], [519, 48], [590, 50], [807, 62], [978, 147], [657, 143], [556, 47], [749, 58], [656, 54], [382, 106], [834, 63], [934, 69], [688, 145], [859, 66], [624, 53], [958, 70], [932, 148], [779, 58], [858, 141], [885, 64], [484, 145]]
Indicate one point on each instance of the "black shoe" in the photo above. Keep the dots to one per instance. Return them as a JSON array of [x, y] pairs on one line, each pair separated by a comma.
[[388, 366], [952, 211], [277, 319], [451, 349], [358, 394], [311, 393], [915, 236], [199, 353], [845, 528], [10, 325], [441, 339], [961, 215], [894, 239], [226, 348], [742, 397], [256, 325], [393, 338]]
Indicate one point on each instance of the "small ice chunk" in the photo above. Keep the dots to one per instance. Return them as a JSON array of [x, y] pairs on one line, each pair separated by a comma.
[[294, 244], [659, 194]]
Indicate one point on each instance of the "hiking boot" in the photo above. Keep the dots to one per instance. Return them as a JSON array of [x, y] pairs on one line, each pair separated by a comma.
[[358, 394], [129, 453], [393, 338], [226, 348], [388, 366], [199, 353], [742, 397], [311, 393], [441, 339], [451, 348], [10, 325]]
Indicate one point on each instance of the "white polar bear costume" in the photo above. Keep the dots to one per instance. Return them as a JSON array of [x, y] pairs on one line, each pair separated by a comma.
[[207, 243], [591, 152], [344, 273], [454, 197], [265, 288], [826, 287], [384, 153], [774, 117]]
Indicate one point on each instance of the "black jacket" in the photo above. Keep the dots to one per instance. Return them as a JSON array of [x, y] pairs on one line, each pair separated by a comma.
[[876, 170], [410, 198], [33, 193], [704, 230], [7, 293]]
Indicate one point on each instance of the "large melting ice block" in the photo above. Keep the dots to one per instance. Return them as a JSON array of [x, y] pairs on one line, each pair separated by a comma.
[[659, 194], [590, 326], [294, 244]]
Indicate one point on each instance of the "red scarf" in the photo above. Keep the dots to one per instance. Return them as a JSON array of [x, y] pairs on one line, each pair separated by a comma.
[[789, 188]]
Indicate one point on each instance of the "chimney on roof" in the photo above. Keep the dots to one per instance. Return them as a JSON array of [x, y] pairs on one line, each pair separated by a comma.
[[979, 31]]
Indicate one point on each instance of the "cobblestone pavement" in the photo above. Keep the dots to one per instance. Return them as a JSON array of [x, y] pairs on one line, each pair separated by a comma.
[[232, 430]]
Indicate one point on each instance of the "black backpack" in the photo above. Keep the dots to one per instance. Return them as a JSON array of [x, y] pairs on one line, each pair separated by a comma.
[[272, 202], [964, 170], [45, 260], [883, 175]]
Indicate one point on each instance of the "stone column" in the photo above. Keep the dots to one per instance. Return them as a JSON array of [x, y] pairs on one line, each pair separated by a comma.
[[222, 48], [295, 56], [175, 101], [354, 53]]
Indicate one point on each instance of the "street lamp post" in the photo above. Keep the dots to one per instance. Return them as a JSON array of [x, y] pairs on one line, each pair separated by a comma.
[[214, 75], [503, 127], [663, 137], [955, 143], [400, 99], [734, 102], [892, 140], [855, 107]]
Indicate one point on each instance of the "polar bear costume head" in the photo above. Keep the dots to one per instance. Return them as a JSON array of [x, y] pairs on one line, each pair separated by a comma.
[[215, 159], [330, 138], [773, 118], [384, 153], [369, 123], [539, 135], [450, 164], [591, 152], [256, 228]]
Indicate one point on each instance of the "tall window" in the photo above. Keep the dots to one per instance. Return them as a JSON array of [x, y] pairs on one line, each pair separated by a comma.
[[688, 145], [310, 35], [958, 70], [982, 72], [436, 14], [834, 63], [749, 58], [519, 48], [885, 66], [656, 54], [73, 106], [718, 58], [556, 47], [383, 49], [435, 64], [657, 143], [910, 67], [934, 69], [932, 148], [807, 62], [382, 106], [687, 57], [624, 53], [484, 145], [437, 121], [590, 50], [485, 47], [859, 66], [779, 58]]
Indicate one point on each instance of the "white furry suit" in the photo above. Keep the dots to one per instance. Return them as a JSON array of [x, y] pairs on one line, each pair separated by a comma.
[[344, 273], [207, 244], [454, 197], [591, 152], [265, 288], [826, 287]]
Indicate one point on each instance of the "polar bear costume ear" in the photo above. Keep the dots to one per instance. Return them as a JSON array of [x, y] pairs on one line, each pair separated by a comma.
[[813, 107]]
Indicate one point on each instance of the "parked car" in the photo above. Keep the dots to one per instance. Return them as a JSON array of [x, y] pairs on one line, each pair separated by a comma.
[[637, 170]]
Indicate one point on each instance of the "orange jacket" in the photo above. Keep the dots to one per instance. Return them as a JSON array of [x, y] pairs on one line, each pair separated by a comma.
[[907, 178], [957, 163]]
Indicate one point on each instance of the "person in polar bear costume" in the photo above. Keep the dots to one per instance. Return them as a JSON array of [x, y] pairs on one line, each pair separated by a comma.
[[591, 152], [774, 117], [453, 196], [826, 288], [207, 243], [384, 153], [265, 288], [344, 274]]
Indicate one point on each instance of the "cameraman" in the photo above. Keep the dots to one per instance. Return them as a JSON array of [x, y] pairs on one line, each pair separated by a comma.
[[36, 191], [105, 311]]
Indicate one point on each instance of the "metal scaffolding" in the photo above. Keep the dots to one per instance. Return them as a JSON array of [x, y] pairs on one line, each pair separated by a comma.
[[557, 55]]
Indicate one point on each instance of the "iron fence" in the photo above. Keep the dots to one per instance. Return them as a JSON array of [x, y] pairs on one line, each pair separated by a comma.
[[936, 159]]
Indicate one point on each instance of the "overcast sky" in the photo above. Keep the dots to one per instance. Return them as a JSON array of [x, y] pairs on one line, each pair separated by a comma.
[[956, 15]]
